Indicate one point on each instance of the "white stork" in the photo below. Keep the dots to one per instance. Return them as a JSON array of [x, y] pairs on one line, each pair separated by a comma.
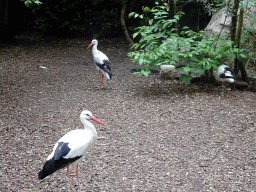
[[225, 74], [71, 148], [101, 61]]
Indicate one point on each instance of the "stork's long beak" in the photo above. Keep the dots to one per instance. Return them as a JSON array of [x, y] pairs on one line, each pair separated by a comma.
[[94, 119], [89, 45]]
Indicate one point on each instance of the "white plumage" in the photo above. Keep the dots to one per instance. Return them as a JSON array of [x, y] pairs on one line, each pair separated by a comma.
[[101, 61], [225, 74], [71, 148], [77, 148]]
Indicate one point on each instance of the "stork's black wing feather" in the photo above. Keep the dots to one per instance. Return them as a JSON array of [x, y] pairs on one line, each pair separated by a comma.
[[228, 69], [105, 67], [57, 161]]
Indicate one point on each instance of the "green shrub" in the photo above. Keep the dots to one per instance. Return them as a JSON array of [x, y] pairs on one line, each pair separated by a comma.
[[161, 44]]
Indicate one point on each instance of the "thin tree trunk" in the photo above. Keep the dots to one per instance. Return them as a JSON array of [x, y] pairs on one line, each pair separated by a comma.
[[233, 31], [198, 18], [234, 21], [128, 38], [237, 62], [240, 26], [174, 13]]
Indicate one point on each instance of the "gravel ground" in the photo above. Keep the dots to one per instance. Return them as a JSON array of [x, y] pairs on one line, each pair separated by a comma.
[[159, 135]]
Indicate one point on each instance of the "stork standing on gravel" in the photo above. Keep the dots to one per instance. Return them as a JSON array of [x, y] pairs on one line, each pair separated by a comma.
[[225, 74], [71, 148], [101, 61]]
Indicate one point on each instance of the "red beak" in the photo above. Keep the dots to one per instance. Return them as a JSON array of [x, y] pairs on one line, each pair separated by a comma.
[[94, 119], [89, 45]]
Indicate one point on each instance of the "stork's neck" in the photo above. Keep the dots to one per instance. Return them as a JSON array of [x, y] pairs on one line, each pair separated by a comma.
[[94, 49], [89, 126]]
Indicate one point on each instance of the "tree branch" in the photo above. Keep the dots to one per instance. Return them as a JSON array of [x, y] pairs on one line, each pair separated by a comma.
[[128, 38]]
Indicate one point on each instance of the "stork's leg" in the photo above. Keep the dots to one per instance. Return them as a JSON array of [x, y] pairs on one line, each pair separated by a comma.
[[99, 76], [77, 175], [102, 78], [68, 178], [98, 81], [222, 87]]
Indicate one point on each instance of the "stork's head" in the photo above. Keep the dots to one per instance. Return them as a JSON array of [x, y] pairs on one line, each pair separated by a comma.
[[87, 115], [94, 42]]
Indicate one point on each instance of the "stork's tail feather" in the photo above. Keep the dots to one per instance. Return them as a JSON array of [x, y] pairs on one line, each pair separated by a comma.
[[48, 169], [108, 75], [107, 71]]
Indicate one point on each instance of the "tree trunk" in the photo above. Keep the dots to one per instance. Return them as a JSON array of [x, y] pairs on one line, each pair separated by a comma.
[[240, 64], [233, 31], [198, 18], [128, 38], [240, 26], [234, 21], [174, 13]]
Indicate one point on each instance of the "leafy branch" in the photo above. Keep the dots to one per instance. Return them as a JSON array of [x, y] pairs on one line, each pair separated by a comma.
[[29, 3]]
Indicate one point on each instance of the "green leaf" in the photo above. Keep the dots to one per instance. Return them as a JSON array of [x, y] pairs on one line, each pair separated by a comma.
[[176, 17], [175, 57], [194, 59], [145, 72], [27, 3], [243, 55], [198, 70], [135, 35], [136, 15], [150, 21], [141, 61], [186, 69], [207, 66], [136, 73], [38, 2], [146, 9], [185, 78], [131, 14], [136, 56], [214, 66]]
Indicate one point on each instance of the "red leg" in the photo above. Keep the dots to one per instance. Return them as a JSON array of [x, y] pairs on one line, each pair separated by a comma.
[[68, 178], [99, 76], [99, 80], [77, 174]]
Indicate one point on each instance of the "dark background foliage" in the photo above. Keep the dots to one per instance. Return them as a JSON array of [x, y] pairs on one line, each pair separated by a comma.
[[85, 18]]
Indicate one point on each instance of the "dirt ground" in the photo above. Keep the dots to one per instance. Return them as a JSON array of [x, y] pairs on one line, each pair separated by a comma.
[[159, 135]]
